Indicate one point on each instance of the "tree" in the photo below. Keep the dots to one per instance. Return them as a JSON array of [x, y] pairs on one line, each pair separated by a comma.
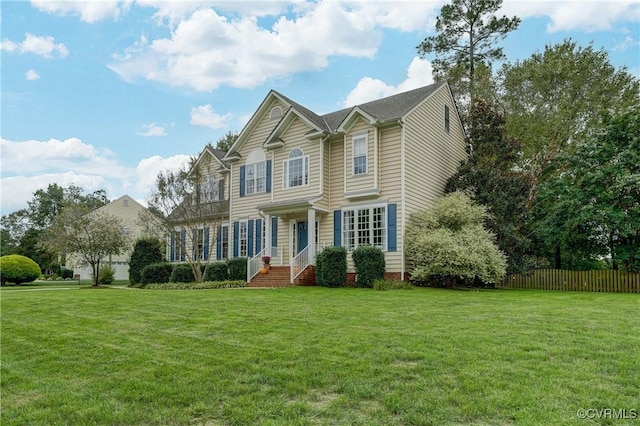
[[491, 174], [592, 208], [190, 206], [560, 96], [225, 142], [146, 251], [448, 244], [87, 236], [468, 31], [24, 227]]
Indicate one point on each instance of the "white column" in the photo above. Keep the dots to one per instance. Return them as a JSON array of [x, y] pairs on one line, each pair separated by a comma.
[[267, 234], [311, 235]]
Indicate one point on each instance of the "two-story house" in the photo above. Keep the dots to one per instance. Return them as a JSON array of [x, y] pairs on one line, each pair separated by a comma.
[[298, 181]]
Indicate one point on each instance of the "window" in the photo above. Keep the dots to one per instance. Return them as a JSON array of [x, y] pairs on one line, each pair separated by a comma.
[[364, 226], [224, 242], [296, 169], [243, 239], [177, 246], [209, 190], [276, 112], [198, 244], [360, 154], [255, 178], [446, 118]]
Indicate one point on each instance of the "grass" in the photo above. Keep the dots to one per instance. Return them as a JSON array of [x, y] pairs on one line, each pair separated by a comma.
[[301, 356]]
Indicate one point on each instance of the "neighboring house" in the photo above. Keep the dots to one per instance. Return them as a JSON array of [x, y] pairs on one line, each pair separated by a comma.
[[129, 211], [298, 181]]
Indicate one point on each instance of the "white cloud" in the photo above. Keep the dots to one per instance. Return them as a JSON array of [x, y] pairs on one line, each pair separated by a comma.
[[32, 75], [44, 46], [584, 15], [152, 130], [205, 116], [88, 11], [32, 156], [419, 74], [18, 190], [147, 170], [207, 49]]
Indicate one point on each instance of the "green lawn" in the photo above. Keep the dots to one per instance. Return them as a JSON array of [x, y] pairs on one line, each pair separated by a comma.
[[317, 356]]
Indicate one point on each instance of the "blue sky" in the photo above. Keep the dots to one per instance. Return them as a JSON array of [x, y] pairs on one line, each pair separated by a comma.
[[105, 94]]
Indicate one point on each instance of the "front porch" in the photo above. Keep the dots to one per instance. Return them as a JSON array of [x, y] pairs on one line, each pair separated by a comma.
[[292, 262]]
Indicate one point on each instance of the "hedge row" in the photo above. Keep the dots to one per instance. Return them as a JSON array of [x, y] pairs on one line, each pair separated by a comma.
[[164, 272]]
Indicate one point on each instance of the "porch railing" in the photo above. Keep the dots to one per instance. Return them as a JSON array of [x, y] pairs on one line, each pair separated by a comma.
[[299, 263], [255, 263]]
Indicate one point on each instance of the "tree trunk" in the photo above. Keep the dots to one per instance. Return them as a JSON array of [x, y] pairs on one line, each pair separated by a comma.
[[558, 257]]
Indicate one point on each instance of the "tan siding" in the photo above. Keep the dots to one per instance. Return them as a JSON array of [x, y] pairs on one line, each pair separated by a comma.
[[432, 154], [366, 181], [245, 207], [294, 138]]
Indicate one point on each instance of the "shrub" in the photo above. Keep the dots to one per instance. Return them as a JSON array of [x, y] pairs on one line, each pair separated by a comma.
[[66, 274], [217, 271], [18, 269], [331, 267], [392, 285], [156, 273], [448, 244], [369, 264], [237, 268], [105, 276], [146, 252], [182, 273]]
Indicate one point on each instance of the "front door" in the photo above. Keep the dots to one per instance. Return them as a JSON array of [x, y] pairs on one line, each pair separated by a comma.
[[301, 235]]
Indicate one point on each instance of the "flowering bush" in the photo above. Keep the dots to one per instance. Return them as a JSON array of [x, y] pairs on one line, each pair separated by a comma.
[[266, 259]]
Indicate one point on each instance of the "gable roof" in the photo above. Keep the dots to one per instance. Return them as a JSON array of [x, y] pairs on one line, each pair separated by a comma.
[[216, 153], [383, 110]]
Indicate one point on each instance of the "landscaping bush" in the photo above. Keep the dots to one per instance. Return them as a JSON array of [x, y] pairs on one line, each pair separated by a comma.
[[237, 268], [146, 252], [369, 264], [182, 273], [66, 273], [105, 276], [156, 273], [392, 285], [18, 269], [331, 267], [217, 271]]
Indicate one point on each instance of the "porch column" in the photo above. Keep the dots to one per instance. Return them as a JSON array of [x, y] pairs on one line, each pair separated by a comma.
[[267, 234], [311, 235]]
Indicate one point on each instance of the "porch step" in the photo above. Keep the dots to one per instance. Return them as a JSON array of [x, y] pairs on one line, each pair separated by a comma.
[[278, 276]]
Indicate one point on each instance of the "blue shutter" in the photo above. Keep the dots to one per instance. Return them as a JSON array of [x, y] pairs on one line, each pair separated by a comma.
[[242, 173], [172, 256], [236, 232], [206, 243], [337, 228], [392, 228], [183, 245], [258, 235], [219, 243], [268, 176], [250, 238], [274, 231]]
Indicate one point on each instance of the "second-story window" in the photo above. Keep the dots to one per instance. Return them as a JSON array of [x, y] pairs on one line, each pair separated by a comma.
[[360, 154], [255, 178], [296, 169]]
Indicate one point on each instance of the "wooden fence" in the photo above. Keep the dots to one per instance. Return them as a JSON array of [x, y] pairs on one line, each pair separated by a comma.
[[558, 279]]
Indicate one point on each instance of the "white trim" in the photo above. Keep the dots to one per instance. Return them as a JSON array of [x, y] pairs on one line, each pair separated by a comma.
[[306, 166], [403, 190], [370, 207], [359, 136]]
